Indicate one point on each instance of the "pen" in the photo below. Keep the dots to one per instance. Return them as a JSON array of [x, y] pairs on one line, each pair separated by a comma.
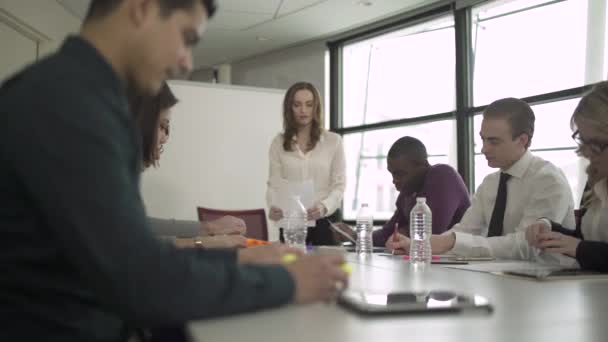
[[395, 237]]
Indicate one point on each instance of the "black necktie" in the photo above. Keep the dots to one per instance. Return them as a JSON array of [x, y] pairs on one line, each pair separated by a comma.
[[498, 214]]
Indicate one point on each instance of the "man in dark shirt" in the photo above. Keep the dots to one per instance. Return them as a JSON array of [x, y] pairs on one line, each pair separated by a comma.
[[444, 190], [413, 176], [77, 258]]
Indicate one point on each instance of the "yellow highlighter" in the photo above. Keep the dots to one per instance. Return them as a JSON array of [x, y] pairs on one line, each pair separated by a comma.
[[290, 257]]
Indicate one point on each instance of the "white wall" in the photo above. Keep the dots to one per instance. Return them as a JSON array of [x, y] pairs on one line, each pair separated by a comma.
[[19, 51], [46, 19], [281, 69], [217, 154]]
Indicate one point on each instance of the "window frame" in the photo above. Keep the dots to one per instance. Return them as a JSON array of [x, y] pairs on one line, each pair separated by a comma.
[[461, 10]]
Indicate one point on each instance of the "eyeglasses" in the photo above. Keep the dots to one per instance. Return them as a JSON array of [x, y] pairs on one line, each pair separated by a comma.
[[595, 147]]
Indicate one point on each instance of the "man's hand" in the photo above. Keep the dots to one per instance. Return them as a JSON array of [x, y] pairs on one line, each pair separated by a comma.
[[398, 244], [266, 254], [317, 278], [553, 242], [534, 230], [224, 225], [224, 241], [316, 212], [275, 213]]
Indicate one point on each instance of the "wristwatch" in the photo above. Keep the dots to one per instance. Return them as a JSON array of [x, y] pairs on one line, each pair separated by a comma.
[[198, 242]]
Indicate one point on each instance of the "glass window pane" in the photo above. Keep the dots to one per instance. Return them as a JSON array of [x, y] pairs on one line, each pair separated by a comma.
[[519, 53], [552, 141], [389, 77], [368, 181]]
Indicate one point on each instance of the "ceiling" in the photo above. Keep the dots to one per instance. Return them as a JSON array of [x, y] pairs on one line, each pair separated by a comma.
[[245, 28]]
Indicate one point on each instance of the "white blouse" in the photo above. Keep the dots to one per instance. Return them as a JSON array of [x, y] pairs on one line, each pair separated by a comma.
[[595, 222], [324, 165]]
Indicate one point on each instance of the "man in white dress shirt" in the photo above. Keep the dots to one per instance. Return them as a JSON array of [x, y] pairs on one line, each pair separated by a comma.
[[524, 189]]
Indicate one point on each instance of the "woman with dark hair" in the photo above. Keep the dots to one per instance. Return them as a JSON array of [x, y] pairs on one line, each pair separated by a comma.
[[153, 116], [588, 242], [305, 151]]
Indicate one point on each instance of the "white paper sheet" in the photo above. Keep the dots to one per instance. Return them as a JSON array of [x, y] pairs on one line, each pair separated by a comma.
[[305, 189], [503, 266]]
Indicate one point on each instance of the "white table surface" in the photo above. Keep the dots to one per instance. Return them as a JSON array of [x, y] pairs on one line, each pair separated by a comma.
[[524, 310]]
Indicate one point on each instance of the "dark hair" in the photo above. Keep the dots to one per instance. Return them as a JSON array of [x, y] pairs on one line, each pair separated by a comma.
[[518, 114], [101, 8], [289, 123], [147, 110], [410, 148]]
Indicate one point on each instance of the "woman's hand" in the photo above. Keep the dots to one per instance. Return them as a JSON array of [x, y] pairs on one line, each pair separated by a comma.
[[316, 212], [554, 242]]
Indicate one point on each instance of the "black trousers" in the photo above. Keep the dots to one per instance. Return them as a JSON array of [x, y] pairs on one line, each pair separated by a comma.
[[321, 234]]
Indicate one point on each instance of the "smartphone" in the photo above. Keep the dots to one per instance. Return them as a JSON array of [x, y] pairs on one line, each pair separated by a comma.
[[412, 302]]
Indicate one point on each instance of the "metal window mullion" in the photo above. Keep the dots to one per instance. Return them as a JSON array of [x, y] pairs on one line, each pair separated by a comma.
[[464, 95]]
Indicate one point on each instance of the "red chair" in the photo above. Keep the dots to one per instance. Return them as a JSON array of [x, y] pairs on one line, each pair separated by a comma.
[[255, 220]]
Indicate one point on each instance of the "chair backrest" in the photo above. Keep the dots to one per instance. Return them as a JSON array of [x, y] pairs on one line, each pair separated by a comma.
[[255, 220]]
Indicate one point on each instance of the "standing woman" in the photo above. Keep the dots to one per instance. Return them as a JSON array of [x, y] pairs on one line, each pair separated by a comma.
[[305, 151]]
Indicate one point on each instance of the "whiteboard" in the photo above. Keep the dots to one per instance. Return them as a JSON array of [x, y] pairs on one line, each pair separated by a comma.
[[217, 153]]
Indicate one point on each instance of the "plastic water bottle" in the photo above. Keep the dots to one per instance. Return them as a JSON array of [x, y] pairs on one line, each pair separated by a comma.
[[365, 225], [295, 228], [421, 228]]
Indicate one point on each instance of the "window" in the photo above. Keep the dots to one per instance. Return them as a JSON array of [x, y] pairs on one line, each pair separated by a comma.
[[368, 180], [524, 48], [403, 74], [552, 142], [402, 81]]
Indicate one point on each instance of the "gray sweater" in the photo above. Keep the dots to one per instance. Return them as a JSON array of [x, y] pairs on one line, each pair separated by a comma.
[[177, 228]]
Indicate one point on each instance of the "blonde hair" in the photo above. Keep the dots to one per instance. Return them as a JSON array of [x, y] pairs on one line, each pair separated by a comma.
[[289, 123], [592, 108]]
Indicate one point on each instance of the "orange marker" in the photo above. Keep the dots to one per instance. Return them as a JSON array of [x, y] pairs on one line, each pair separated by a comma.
[[255, 242]]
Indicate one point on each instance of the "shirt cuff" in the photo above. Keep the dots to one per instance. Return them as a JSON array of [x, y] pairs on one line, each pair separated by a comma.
[[329, 206], [464, 245], [545, 221]]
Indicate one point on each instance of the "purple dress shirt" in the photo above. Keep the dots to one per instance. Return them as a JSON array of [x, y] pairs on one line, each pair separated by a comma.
[[446, 195]]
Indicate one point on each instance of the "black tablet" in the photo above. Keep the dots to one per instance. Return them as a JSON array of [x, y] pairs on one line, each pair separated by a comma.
[[567, 273], [411, 302], [374, 249]]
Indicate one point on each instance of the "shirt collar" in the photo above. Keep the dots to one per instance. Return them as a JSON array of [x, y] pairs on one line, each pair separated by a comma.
[[601, 191], [294, 138], [87, 54], [520, 167]]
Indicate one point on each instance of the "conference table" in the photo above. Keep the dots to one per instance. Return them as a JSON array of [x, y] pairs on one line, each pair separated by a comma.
[[523, 310]]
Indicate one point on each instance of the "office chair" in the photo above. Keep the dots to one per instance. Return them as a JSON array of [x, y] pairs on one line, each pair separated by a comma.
[[255, 220]]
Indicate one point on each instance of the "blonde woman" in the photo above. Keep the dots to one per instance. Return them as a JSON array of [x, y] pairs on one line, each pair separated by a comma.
[[588, 243], [305, 151]]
